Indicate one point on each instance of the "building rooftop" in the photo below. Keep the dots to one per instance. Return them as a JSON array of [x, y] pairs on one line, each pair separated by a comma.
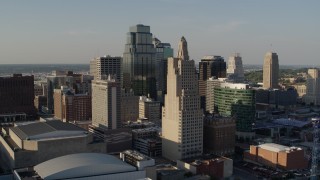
[[291, 122], [49, 129], [137, 155], [81, 165], [273, 147]]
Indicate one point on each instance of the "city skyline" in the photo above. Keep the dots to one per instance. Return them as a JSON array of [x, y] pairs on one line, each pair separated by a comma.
[[73, 33]]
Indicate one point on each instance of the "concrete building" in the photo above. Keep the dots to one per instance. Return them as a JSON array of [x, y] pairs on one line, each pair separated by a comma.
[[301, 90], [237, 100], [220, 167], [40, 102], [270, 70], [182, 123], [313, 87], [235, 68], [277, 156], [106, 103], [219, 135], [101, 67], [163, 51], [210, 66], [72, 107], [136, 159], [17, 95], [90, 166], [31, 143], [129, 106], [149, 109], [139, 62], [147, 141], [211, 84], [277, 97]]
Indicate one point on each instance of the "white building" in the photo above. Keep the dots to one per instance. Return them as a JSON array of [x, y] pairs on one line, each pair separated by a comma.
[[182, 122], [313, 87], [211, 84], [106, 103], [235, 68], [270, 70]]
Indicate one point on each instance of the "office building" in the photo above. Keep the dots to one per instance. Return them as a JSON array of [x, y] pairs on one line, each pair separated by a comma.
[[129, 106], [238, 101], [277, 156], [163, 51], [301, 90], [270, 71], [277, 98], [235, 68], [219, 135], [147, 141], [17, 95], [89, 166], [182, 122], [139, 62], [312, 96], [211, 84], [149, 109], [210, 66], [101, 67], [71, 107], [29, 144], [106, 103]]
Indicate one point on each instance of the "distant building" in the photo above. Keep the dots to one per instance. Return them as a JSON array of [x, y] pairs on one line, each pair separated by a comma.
[[106, 103], [72, 107], [277, 156], [211, 84], [270, 70], [238, 101], [277, 97], [139, 62], [210, 66], [40, 102], [149, 109], [235, 68], [182, 121], [301, 90], [17, 95], [129, 106], [313, 87], [29, 144], [101, 67], [90, 166], [219, 135]]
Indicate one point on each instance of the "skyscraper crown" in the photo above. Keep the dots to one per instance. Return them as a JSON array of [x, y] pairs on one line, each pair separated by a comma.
[[183, 49]]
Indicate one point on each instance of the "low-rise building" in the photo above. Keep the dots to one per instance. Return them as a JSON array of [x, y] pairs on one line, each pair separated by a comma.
[[277, 156], [136, 159], [147, 141]]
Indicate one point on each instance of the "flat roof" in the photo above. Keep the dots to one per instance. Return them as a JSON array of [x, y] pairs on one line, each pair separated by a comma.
[[273, 147]]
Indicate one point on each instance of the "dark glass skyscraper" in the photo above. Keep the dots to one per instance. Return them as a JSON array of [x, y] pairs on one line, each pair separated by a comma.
[[139, 62]]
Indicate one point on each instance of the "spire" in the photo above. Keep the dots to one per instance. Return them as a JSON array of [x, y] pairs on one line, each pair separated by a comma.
[[183, 49]]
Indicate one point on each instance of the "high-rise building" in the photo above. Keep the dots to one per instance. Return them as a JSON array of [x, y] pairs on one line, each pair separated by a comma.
[[210, 66], [235, 68], [106, 103], [129, 106], [313, 87], [163, 51], [237, 100], [139, 62], [211, 84], [17, 95], [270, 70], [149, 109], [71, 107], [101, 67], [182, 121]]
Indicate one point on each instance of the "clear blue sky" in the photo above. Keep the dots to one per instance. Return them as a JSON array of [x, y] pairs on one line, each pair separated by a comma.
[[74, 31]]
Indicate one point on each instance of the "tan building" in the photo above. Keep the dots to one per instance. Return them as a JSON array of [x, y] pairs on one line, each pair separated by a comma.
[[211, 84], [182, 123], [29, 144], [129, 106], [301, 89], [149, 109], [313, 87], [71, 107], [270, 70], [219, 135], [106, 103], [277, 156]]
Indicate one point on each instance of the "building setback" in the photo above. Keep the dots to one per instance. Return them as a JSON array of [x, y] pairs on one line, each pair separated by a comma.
[[270, 70], [182, 122], [106, 103]]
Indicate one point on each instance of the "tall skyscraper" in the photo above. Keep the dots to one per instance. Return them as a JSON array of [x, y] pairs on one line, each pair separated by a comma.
[[235, 68], [270, 70], [139, 62], [182, 121], [313, 87], [208, 67], [106, 103], [163, 51], [101, 67], [237, 100]]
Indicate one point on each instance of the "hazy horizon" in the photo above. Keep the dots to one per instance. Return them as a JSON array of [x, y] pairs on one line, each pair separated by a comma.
[[75, 31]]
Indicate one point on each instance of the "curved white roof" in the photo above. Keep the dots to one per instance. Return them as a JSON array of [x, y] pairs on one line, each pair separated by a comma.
[[81, 165]]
